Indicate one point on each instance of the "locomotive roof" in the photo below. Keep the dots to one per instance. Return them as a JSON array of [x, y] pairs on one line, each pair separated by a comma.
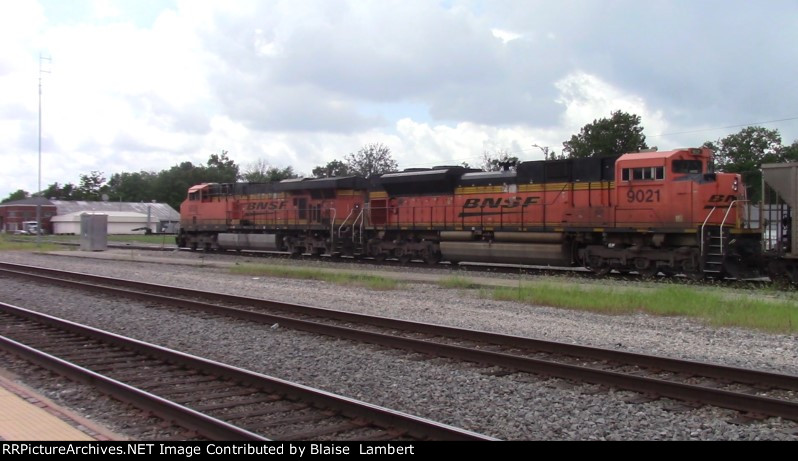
[[340, 182], [484, 178], [427, 181], [695, 152]]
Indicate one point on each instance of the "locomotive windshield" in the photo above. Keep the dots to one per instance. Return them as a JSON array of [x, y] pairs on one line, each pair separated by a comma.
[[687, 166]]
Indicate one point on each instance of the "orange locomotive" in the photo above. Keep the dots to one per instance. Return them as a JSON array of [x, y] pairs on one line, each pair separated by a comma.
[[646, 212]]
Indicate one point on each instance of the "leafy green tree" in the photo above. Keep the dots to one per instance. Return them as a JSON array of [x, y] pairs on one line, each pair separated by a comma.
[[790, 152], [221, 169], [274, 174], [92, 186], [261, 171], [549, 153], [744, 152], [171, 186], [619, 134], [132, 187], [14, 196], [498, 161], [331, 169], [371, 159], [56, 191]]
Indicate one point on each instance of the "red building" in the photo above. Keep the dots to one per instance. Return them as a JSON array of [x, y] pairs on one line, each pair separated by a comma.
[[13, 214]]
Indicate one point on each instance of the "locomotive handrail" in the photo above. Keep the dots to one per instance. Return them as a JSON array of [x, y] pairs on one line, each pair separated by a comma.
[[360, 217], [722, 223], [725, 217], [332, 221], [703, 226], [344, 222]]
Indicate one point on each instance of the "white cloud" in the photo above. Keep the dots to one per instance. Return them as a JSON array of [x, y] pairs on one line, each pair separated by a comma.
[[105, 9], [587, 98], [505, 36], [301, 83]]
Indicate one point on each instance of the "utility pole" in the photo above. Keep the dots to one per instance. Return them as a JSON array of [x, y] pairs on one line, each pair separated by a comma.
[[39, 204]]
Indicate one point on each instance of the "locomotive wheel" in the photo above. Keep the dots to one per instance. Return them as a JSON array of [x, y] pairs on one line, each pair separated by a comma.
[[430, 256], [646, 268], [667, 271], [649, 272], [295, 251], [601, 270], [692, 271], [380, 257], [403, 255], [599, 266]]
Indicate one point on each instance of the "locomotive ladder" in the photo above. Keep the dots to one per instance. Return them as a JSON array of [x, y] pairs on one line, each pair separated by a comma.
[[713, 252]]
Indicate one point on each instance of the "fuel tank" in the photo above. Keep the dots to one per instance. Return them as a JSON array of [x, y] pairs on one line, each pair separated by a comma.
[[538, 254], [266, 242]]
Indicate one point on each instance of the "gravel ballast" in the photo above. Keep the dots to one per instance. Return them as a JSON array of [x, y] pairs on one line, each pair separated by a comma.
[[510, 407]]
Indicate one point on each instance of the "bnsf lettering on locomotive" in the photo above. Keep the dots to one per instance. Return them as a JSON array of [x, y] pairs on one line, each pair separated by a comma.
[[491, 203], [269, 206], [471, 203], [720, 198], [499, 202]]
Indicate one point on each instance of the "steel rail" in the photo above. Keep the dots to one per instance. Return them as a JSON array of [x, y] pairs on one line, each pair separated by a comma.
[[734, 374], [680, 391], [203, 424], [409, 424]]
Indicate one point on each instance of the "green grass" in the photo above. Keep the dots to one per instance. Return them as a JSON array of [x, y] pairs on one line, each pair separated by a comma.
[[168, 239], [363, 280], [457, 282], [24, 243], [710, 305], [157, 239]]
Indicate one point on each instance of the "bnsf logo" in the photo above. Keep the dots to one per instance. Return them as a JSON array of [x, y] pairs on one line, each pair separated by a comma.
[[719, 198], [269, 206], [500, 202]]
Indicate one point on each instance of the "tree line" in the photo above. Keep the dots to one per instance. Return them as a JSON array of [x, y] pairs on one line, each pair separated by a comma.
[[743, 152]]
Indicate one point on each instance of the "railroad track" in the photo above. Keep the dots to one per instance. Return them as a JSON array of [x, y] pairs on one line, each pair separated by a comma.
[[477, 268], [750, 391], [217, 401]]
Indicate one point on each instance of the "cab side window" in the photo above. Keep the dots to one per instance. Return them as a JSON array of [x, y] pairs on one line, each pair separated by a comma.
[[649, 173]]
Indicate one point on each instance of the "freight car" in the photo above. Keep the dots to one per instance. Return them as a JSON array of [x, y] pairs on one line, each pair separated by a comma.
[[651, 212]]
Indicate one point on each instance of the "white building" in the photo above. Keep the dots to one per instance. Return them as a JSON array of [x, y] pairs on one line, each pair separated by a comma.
[[162, 217], [119, 223]]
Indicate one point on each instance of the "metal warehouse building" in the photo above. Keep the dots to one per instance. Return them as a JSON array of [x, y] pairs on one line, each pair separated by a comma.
[[60, 216]]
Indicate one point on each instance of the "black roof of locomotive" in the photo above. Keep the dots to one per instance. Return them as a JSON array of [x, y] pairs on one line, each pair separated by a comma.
[[426, 181], [340, 182], [444, 179], [487, 178], [252, 188]]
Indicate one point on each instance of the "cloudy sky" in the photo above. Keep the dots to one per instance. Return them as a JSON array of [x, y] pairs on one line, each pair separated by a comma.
[[146, 84]]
